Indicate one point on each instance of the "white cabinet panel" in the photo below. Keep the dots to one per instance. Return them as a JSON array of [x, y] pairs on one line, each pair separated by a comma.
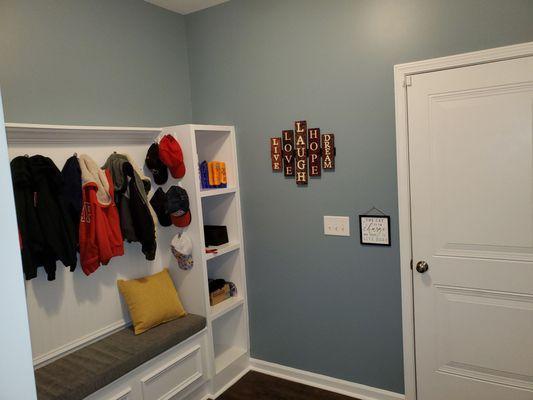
[[174, 376]]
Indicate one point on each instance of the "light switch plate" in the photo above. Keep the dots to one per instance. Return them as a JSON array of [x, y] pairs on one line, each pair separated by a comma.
[[336, 226]]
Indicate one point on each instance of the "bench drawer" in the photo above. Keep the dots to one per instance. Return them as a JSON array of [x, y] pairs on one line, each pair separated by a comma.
[[110, 392], [174, 376]]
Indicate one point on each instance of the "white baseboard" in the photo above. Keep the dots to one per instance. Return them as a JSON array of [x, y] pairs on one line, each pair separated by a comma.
[[230, 383], [324, 382]]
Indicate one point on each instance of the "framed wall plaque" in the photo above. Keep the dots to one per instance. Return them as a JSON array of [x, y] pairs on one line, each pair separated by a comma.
[[374, 230]]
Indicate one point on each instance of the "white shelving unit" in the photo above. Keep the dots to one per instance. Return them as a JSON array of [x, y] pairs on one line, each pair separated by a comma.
[[227, 321]]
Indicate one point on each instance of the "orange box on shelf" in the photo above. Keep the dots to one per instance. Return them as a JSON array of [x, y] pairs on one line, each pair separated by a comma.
[[216, 172], [223, 175], [211, 173]]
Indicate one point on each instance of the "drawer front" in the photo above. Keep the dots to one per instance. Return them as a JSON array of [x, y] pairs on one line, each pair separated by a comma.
[[123, 395], [111, 392], [175, 376]]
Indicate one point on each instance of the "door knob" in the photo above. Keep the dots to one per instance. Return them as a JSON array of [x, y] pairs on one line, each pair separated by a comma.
[[422, 266]]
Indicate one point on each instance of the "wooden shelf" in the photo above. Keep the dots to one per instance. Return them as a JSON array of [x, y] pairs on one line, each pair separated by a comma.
[[228, 357], [223, 249], [216, 191], [226, 306]]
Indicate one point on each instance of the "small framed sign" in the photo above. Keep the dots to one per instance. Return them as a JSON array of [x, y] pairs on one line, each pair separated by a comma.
[[374, 230]]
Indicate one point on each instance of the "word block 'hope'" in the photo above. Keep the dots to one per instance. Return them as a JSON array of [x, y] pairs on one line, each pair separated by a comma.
[[313, 138]]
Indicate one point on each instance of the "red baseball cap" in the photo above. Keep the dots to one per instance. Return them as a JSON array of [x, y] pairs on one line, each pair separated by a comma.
[[181, 221], [171, 155]]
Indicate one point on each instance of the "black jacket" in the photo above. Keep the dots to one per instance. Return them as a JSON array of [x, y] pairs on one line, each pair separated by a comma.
[[142, 219], [136, 220], [46, 234], [71, 194]]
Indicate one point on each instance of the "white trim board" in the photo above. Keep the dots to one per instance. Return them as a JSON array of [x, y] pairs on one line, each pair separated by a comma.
[[67, 348], [68, 134], [402, 73], [229, 384], [323, 382], [61, 351]]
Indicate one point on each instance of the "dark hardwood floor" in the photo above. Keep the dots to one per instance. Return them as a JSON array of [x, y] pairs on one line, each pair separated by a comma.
[[257, 386]]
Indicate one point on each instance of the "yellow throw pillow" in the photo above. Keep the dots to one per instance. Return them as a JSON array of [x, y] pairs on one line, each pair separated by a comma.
[[152, 300]]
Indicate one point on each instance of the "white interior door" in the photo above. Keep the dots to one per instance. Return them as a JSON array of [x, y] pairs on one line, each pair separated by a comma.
[[16, 367], [471, 171]]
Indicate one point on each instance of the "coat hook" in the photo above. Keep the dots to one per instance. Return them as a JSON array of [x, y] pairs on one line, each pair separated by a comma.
[[76, 155]]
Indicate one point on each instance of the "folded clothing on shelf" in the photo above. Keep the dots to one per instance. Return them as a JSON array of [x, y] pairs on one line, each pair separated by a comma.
[[216, 284], [213, 174]]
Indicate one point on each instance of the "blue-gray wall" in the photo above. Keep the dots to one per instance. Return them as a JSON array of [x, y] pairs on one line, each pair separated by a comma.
[[107, 62], [326, 304]]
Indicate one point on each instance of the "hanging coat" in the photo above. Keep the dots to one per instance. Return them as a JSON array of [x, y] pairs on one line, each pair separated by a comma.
[[47, 234], [100, 236], [131, 195], [71, 194]]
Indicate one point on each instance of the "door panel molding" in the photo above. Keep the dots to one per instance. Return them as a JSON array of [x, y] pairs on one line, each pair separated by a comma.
[[488, 375], [402, 78], [522, 301]]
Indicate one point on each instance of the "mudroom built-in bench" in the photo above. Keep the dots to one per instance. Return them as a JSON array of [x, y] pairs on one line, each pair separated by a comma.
[[159, 363], [83, 344]]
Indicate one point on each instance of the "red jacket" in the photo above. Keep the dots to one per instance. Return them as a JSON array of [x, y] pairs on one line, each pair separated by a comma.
[[100, 235]]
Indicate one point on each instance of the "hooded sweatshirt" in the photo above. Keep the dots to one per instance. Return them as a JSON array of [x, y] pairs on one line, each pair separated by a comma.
[[46, 233], [131, 188], [100, 236]]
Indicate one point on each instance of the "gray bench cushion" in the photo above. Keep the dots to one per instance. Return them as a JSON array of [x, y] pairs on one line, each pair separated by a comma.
[[84, 371]]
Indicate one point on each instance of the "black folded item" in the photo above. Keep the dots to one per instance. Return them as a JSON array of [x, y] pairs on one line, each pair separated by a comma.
[[215, 235], [154, 164], [158, 202], [216, 284]]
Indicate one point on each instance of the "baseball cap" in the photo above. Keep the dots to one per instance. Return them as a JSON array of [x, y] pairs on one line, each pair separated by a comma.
[[155, 165], [159, 202], [171, 155], [181, 247], [177, 205]]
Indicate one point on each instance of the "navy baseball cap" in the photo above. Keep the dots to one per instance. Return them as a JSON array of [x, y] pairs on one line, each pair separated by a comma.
[[177, 205]]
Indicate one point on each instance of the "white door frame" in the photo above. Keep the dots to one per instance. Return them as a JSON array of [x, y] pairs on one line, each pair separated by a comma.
[[402, 79]]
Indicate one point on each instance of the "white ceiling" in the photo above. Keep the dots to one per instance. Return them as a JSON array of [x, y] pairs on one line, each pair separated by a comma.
[[185, 6]]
